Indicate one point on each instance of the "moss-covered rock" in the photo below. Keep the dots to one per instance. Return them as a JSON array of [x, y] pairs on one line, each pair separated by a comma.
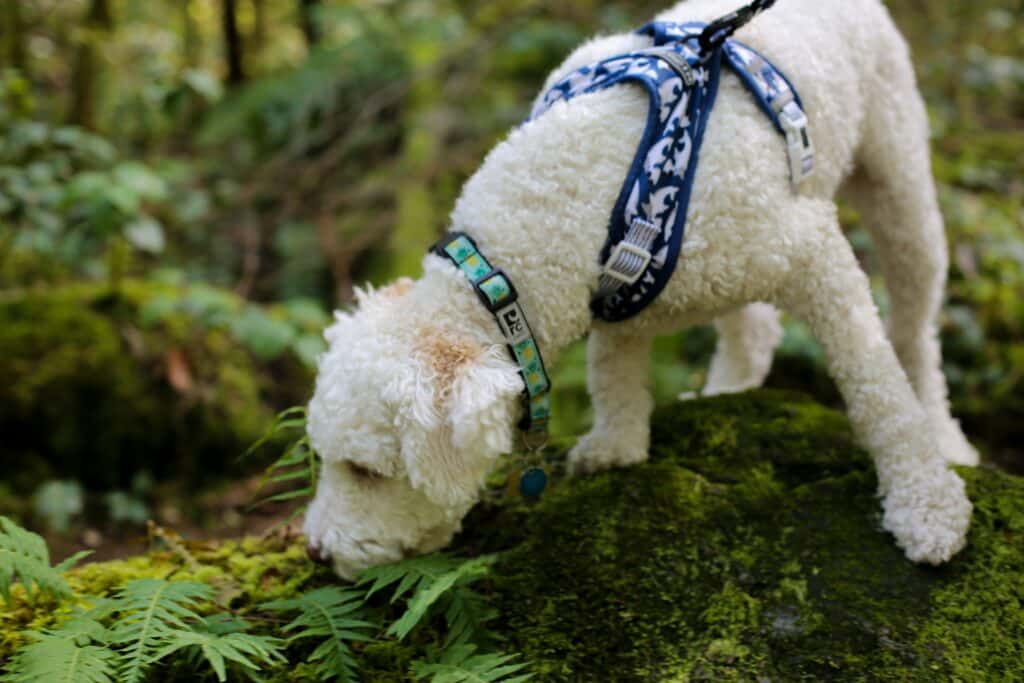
[[97, 385], [749, 548]]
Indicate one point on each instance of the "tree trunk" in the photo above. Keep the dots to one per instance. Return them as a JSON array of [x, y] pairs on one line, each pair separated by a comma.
[[310, 29], [14, 30], [190, 34], [85, 72], [232, 43], [259, 27]]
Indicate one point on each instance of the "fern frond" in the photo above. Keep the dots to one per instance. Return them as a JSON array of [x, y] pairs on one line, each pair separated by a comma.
[[431, 578], [24, 558], [331, 615], [67, 654], [461, 664], [245, 649], [298, 463], [290, 418], [466, 616], [152, 615]]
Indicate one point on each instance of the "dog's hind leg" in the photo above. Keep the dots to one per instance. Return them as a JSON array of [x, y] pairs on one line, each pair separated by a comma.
[[926, 507], [747, 338], [894, 192], [618, 378]]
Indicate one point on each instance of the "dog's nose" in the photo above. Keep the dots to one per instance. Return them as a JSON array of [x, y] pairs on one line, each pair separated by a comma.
[[316, 554]]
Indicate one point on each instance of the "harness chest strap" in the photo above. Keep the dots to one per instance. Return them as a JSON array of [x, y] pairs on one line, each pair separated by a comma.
[[496, 292]]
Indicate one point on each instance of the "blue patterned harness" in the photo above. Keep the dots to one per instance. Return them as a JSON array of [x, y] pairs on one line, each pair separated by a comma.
[[646, 229], [681, 73]]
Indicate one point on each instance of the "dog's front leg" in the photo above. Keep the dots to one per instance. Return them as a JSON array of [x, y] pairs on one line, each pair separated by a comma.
[[925, 504], [618, 380]]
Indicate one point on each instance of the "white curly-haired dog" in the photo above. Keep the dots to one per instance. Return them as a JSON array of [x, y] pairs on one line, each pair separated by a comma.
[[417, 395]]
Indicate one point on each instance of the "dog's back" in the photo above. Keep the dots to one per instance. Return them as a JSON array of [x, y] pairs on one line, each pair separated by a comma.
[[830, 49]]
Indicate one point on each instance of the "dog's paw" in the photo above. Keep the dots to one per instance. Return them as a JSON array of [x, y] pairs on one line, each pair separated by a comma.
[[930, 518], [955, 447], [597, 452]]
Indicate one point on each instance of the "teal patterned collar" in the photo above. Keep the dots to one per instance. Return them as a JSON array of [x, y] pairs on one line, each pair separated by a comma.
[[498, 295]]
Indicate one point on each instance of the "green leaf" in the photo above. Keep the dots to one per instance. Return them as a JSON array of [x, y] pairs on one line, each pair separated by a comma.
[[126, 507], [145, 233], [264, 335], [158, 309], [247, 650], [204, 84], [152, 615], [297, 463], [57, 502], [432, 578], [62, 657], [308, 348], [332, 616], [24, 558], [461, 664], [140, 180]]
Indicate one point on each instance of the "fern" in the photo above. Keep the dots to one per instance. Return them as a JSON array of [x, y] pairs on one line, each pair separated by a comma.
[[331, 615], [152, 616], [433, 579], [466, 617], [461, 664], [298, 463], [24, 558], [219, 649], [65, 654]]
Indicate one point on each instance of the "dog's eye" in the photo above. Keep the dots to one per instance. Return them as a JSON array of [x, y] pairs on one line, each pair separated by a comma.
[[363, 472]]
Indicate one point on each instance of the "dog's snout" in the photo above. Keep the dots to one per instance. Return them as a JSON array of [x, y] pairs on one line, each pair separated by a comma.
[[316, 554]]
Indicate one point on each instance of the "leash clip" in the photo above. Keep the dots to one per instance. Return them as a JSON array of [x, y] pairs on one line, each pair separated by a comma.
[[715, 33]]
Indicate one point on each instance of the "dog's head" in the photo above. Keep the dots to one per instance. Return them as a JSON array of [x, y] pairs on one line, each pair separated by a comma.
[[408, 417]]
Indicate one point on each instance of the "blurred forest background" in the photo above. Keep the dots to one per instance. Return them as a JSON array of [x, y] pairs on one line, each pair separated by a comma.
[[188, 187]]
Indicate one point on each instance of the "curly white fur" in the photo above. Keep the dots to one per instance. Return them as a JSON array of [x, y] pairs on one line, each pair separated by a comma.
[[417, 397]]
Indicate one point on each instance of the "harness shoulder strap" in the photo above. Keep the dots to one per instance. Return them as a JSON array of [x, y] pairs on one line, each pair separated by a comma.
[[780, 102], [769, 86]]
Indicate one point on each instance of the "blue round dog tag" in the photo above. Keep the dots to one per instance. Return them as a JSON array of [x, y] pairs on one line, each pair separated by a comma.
[[532, 482]]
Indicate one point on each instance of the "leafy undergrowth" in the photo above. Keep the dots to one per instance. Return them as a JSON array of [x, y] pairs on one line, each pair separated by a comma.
[[748, 548], [200, 613]]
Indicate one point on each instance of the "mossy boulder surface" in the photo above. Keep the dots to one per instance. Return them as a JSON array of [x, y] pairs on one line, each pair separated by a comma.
[[749, 548]]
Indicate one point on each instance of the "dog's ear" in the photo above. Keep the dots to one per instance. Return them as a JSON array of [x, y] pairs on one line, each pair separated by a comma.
[[472, 393]]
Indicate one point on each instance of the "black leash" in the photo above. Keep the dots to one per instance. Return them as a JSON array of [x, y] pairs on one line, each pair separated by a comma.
[[723, 27]]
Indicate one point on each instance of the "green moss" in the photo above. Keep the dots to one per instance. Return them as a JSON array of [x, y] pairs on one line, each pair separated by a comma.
[[91, 389], [749, 548], [244, 573]]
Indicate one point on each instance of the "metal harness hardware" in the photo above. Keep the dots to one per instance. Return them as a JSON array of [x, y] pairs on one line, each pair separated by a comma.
[[630, 257]]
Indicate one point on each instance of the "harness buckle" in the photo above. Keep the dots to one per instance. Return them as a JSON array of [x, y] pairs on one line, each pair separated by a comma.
[[630, 258], [798, 142], [627, 262]]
